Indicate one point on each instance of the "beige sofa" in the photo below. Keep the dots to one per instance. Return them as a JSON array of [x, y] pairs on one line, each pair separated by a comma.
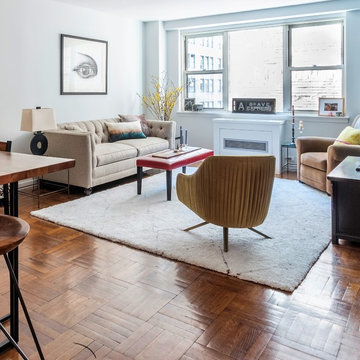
[[97, 160]]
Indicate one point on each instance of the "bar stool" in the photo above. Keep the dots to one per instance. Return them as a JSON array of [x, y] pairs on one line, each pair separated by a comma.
[[12, 232]]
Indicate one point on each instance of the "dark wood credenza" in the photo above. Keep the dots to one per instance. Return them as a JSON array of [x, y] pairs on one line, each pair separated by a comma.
[[345, 200]]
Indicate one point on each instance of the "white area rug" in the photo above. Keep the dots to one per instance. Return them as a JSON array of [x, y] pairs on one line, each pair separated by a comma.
[[298, 222]]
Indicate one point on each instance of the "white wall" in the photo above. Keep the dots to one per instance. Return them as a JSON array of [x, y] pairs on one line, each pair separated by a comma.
[[30, 63]]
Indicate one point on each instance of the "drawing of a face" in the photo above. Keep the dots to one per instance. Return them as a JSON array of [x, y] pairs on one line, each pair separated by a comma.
[[87, 68]]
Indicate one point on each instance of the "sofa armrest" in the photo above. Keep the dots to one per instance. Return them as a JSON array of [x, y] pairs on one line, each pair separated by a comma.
[[337, 153], [306, 144], [164, 130], [75, 145], [313, 144]]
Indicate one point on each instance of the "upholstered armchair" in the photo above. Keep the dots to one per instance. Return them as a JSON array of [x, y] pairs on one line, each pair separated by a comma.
[[229, 191], [317, 156]]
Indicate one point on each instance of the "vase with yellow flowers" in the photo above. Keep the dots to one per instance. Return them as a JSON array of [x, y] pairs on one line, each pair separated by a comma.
[[162, 98]]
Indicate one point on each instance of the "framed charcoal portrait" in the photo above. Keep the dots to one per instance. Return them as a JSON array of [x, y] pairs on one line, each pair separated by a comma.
[[83, 66]]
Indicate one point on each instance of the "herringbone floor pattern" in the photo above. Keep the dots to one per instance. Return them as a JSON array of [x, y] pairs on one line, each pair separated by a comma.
[[89, 297]]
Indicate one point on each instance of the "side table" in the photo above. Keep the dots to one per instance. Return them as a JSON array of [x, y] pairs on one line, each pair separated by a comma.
[[286, 164], [345, 181]]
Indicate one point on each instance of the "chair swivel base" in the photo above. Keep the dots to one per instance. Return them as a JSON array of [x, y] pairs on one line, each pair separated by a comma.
[[226, 233]]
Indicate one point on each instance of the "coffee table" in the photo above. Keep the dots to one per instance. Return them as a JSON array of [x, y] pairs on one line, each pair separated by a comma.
[[169, 164]]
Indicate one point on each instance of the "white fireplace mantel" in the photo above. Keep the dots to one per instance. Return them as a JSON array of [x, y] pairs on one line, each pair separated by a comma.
[[249, 137]]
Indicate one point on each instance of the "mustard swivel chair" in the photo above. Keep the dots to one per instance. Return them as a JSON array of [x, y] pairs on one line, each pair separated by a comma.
[[229, 191]]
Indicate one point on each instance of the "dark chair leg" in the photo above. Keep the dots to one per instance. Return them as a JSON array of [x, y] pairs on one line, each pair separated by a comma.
[[13, 342], [6, 199], [226, 239], [27, 316], [260, 233]]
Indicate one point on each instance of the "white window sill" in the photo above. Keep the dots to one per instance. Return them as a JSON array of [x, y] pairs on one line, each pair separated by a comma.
[[277, 116]]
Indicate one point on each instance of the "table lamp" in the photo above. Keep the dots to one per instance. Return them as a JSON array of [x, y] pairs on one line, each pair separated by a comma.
[[36, 121]]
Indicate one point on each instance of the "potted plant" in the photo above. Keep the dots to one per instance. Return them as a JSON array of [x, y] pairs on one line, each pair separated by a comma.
[[162, 98]]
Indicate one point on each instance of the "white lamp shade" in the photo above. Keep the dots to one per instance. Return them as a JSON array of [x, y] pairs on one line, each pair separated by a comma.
[[38, 119]]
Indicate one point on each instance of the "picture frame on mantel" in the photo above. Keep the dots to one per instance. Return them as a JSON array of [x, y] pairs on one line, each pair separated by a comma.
[[331, 107], [83, 66]]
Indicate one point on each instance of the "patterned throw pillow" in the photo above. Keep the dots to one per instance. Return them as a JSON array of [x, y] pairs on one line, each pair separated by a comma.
[[124, 130], [141, 118], [349, 136]]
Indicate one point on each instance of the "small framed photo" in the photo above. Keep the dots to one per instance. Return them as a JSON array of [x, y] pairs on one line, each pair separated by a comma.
[[198, 107], [331, 107], [83, 65], [188, 104]]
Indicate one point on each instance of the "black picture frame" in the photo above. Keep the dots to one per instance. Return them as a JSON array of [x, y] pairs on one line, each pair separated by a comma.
[[188, 104], [253, 106], [83, 66]]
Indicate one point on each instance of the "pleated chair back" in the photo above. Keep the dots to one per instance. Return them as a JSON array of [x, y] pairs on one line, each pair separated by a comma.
[[231, 191]]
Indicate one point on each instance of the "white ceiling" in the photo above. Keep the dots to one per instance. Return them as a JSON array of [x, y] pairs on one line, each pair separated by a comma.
[[148, 10]]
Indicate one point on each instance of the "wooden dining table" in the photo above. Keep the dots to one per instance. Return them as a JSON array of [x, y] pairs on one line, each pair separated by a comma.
[[15, 167]]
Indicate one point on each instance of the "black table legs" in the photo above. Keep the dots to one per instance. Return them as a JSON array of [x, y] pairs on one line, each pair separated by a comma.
[[168, 181]]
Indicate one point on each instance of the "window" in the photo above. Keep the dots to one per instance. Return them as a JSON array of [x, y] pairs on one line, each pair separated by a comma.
[[205, 48], [256, 64], [191, 85], [202, 85], [192, 61], [315, 63], [296, 64], [211, 85]]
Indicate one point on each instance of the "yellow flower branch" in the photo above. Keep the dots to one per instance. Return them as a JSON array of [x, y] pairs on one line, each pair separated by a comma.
[[162, 100]]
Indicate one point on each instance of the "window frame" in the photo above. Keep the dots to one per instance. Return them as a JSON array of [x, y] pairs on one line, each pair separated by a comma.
[[287, 67], [204, 71]]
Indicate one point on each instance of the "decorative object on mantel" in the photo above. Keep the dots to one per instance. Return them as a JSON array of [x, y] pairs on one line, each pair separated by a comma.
[[188, 104], [293, 125], [183, 141], [36, 121], [83, 66], [301, 125], [298, 236], [331, 106], [198, 107], [162, 99], [253, 106]]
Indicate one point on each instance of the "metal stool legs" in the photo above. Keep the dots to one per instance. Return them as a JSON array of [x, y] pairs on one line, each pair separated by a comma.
[[17, 289]]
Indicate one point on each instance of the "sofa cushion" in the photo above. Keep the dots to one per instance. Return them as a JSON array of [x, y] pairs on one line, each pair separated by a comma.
[[316, 160], [349, 136], [148, 145], [97, 127], [107, 153], [144, 125], [124, 130]]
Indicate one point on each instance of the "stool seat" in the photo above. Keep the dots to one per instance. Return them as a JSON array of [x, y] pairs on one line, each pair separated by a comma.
[[12, 232]]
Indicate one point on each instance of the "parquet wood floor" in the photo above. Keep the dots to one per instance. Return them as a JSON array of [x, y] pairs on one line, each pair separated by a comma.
[[89, 297]]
